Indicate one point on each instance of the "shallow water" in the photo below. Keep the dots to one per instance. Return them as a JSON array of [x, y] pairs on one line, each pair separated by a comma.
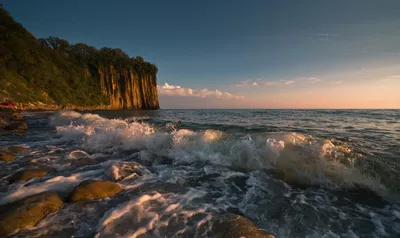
[[295, 173]]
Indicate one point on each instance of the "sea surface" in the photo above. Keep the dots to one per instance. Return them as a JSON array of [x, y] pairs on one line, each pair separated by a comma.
[[294, 173]]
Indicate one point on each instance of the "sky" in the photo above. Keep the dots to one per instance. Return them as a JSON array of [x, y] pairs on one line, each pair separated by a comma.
[[242, 54]]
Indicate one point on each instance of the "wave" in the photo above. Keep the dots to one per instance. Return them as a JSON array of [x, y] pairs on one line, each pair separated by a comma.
[[161, 214], [296, 158]]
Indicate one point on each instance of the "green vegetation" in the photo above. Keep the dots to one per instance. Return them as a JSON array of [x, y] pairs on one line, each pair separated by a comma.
[[53, 71]]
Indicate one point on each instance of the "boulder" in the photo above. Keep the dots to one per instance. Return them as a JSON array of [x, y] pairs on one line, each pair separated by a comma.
[[232, 225], [28, 212], [20, 125], [17, 149], [27, 174], [94, 189], [7, 156], [17, 116]]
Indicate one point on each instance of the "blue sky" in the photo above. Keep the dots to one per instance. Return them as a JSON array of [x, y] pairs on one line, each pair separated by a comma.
[[264, 54]]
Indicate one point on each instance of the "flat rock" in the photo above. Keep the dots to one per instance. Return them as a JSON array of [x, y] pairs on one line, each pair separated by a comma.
[[232, 225], [28, 212], [94, 189], [7, 156], [17, 149], [27, 174], [20, 125]]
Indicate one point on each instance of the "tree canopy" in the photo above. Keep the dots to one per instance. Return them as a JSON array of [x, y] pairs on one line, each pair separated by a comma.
[[52, 69]]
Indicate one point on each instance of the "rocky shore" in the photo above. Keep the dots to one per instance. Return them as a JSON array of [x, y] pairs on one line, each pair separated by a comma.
[[12, 120], [26, 212]]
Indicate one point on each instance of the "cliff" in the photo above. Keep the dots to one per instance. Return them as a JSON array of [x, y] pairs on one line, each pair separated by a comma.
[[51, 72], [125, 88]]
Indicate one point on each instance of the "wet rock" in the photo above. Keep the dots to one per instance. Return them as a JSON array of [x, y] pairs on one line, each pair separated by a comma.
[[17, 116], [28, 212], [21, 125], [7, 156], [232, 225], [3, 123], [27, 174], [94, 189], [125, 170], [77, 163], [78, 154], [17, 149]]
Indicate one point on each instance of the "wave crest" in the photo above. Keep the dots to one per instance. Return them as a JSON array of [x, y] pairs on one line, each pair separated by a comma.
[[299, 158]]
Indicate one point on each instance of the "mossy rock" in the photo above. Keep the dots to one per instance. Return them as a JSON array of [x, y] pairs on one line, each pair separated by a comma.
[[17, 149], [94, 189], [28, 212], [231, 226], [7, 156], [27, 174], [18, 126]]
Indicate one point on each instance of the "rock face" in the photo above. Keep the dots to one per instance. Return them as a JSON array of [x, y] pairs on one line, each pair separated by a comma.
[[27, 174], [94, 189], [125, 88], [28, 212], [7, 156], [232, 225]]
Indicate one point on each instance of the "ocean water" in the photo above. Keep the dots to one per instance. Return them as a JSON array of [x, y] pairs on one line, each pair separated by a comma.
[[294, 173]]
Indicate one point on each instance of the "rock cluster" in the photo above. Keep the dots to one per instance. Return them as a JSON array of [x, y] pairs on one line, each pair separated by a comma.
[[29, 211], [12, 120]]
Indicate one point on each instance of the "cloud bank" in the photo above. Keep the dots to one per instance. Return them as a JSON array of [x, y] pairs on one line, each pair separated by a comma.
[[173, 90], [279, 83], [391, 77]]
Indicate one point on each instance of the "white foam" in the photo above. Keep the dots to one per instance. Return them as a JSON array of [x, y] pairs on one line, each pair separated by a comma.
[[125, 170], [299, 156], [151, 212]]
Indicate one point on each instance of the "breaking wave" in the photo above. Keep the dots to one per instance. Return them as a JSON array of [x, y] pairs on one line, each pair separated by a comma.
[[296, 158]]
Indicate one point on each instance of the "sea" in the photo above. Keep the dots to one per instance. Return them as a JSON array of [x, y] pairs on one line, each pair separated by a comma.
[[294, 173]]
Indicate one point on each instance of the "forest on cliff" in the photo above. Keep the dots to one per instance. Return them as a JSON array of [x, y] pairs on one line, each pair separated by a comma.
[[53, 71]]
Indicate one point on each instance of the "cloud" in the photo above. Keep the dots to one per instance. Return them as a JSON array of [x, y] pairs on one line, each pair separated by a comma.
[[391, 77], [172, 90], [324, 36], [336, 82], [288, 82], [167, 86], [265, 82], [328, 34], [244, 83], [314, 80]]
